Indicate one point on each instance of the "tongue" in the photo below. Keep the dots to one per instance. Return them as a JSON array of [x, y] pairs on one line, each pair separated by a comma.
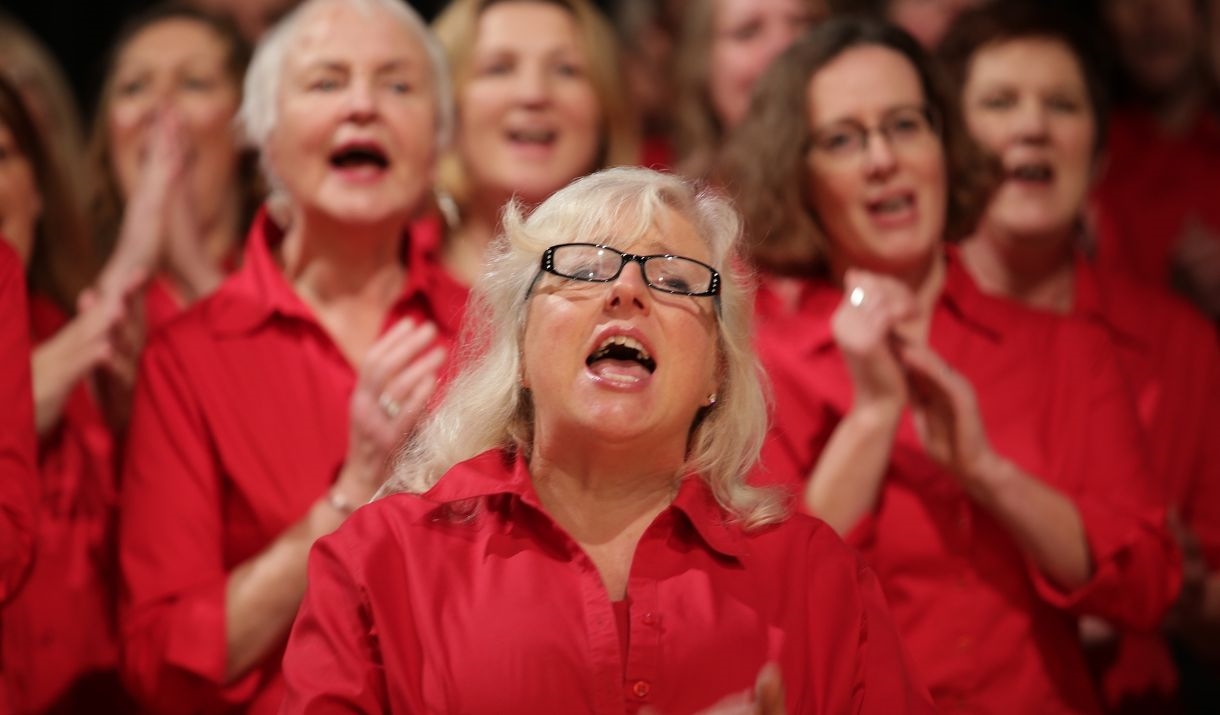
[[619, 370]]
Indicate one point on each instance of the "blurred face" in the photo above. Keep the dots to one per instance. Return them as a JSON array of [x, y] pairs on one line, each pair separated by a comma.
[[20, 201], [1026, 101], [176, 66], [529, 118], [648, 386], [747, 35], [927, 20], [354, 138], [1157, 40], [876, 165]]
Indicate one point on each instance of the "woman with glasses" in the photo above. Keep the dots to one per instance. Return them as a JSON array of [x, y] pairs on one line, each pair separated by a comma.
[[983, 458], [570, 531]]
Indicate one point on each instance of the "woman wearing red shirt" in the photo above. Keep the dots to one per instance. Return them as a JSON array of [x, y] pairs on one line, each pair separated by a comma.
[[570, 531], [1031, 97], [174, 187], [266, 413], [59, 643], [18, 485], [984, 458]]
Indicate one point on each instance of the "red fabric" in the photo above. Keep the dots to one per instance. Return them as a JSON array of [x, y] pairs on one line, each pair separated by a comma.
[[60, 628], [1169, 354], [239, 425], [162, 300], [470, 599], [1152, 185], [18, 485], [987, 632]]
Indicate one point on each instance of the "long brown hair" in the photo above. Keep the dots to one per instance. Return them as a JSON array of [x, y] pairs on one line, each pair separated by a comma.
[[764, 162], [106, 201], [61, 263]]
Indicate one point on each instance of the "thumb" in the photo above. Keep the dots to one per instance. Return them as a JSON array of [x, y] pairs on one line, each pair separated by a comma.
[[769, 691]]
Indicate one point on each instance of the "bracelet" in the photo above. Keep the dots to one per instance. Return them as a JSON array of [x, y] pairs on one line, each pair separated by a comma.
[[340, 503]]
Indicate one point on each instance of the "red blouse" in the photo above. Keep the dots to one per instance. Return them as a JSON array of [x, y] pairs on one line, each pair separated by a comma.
[[987, 631], [1152, 187], [61, 628], [1169, 353], [239, 425], [471, 599], [18, 485]]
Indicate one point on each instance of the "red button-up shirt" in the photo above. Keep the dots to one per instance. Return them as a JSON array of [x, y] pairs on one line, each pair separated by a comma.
[[239, 425], [1153, 186], [18, 485], [1169, 354], [471, 599], [987, 631], [61, 626]]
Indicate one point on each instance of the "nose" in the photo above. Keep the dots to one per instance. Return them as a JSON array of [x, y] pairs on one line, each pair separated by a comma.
[[361, 102], [532, 85], [629, 291], [1031, 124], [879, 157]]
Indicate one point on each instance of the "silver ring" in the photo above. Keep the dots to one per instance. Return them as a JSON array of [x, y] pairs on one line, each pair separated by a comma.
[[389, 405], [856, 297]]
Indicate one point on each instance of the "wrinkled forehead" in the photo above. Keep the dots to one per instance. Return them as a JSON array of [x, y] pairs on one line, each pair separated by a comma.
[[342, 33]]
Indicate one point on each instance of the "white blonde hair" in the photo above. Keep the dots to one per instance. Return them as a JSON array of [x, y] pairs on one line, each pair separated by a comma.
[[486, 407], [257, 115]]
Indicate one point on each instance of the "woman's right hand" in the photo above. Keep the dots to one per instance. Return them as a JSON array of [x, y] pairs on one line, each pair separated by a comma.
[[864, 328], [397, 378], [146, 215]]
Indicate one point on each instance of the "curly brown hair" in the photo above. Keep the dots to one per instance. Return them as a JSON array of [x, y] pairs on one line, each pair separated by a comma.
[[763, 163]]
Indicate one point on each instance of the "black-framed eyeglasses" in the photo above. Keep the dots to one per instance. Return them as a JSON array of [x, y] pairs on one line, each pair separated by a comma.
[[664, 272]]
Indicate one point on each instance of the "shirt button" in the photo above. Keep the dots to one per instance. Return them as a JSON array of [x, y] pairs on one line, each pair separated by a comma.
[[650, 619], [964, 642], [641, 688]]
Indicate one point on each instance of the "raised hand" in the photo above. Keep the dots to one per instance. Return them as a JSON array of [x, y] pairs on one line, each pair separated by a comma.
[[946, 413], [865, 328], [397, 378]]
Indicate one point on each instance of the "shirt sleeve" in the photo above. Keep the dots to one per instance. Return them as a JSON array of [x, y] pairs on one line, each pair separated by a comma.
[[18, 483], [172, 607], [332, 664], [1136, 563]]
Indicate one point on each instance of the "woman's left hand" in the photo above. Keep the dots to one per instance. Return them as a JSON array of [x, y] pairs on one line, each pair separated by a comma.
[[946, 414]]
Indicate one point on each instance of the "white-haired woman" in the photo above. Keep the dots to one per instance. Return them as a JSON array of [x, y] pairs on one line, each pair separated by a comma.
[[266, 413], [570, 531]]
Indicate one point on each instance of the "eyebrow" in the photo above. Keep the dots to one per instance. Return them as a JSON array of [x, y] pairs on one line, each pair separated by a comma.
[[887, 113], [345, 66]]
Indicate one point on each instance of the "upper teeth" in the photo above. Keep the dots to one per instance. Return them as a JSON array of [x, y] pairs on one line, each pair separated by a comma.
[[893, 204], [533, 135], [625, 342]]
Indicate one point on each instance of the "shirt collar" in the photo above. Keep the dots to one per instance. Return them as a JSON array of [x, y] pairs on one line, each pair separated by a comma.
[[258, 291], [1096, 299], [962, 296], [499, 471], [959, 294]]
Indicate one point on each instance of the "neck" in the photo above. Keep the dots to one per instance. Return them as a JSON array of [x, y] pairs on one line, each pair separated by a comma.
[[604, 495], [1033, 270], [328, 261], [466, 245]]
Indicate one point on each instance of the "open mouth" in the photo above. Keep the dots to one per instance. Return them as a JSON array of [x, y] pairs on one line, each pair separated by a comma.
[[620, 357], [357, 156], [533, 137], [1034, 172], [892, 206]]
